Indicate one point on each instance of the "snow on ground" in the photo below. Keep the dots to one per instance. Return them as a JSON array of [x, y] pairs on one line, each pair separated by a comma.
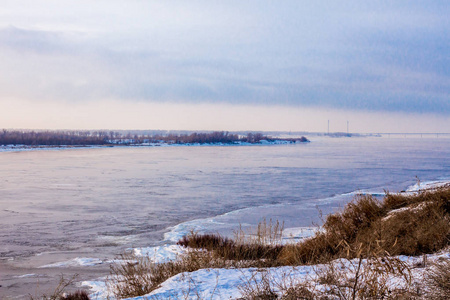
[[162, 253], [220, 283], [296, 234], [229, 283], [426, 185], [207, 283], [419, 207], [98, 289]]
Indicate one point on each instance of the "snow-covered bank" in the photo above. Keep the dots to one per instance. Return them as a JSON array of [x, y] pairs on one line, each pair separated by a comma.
[[426, 185], [224, 283], [230, 283], [21, 148]]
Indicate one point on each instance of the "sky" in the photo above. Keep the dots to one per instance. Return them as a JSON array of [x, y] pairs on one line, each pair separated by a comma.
[[383, 66]]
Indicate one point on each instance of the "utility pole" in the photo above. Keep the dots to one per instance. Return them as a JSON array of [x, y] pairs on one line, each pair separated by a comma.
[[347, 127], [328, 127]]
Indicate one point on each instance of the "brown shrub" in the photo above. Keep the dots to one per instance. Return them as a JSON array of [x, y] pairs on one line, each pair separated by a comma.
[[356, 217], [228, 249], [299, 292], [138, 276], [439, 195], [204, 241], [416, 231], [421, 226], [59, 293], [78, 295], [438, 280], [259, 286]]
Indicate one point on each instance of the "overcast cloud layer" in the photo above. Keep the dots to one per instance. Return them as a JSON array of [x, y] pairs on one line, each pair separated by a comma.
[[379, 56]]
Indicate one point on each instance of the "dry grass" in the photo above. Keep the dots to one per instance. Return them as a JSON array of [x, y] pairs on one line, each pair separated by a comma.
[[420, 224], [263, 284], [267, 233], [262, 248], [438, 280], [367, 279], [137, 276], [230, 250], [78, 295], [59, 293], [342, 279], [258, 287]]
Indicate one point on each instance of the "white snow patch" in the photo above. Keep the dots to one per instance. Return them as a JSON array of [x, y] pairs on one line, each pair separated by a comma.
[[420, 186], [26, 275], [297, 234], [76, 262], [418, 207], [122, 240], [162, 253], [98, 289]]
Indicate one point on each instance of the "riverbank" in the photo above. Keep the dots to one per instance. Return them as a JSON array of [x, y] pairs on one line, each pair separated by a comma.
[[19, 140], [16, 148], [342, 250]]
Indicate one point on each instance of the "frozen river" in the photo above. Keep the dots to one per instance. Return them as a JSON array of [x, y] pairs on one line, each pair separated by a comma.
[[58, 205]]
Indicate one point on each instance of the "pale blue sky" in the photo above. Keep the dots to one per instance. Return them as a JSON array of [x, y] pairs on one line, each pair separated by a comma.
[[336, 59]]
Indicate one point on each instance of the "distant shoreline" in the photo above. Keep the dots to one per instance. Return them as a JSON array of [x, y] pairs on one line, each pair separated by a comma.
[[26, 140], [18, 148]]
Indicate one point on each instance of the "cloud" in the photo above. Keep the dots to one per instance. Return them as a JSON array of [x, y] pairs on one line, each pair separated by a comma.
[[22, 40], [353, 55]]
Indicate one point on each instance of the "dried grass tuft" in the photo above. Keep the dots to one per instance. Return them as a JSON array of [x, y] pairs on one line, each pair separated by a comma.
[[59, 293], [438, 280]]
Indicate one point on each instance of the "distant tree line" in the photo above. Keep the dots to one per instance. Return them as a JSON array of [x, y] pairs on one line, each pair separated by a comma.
[[79, 138], [193, 138], [53, 138]]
